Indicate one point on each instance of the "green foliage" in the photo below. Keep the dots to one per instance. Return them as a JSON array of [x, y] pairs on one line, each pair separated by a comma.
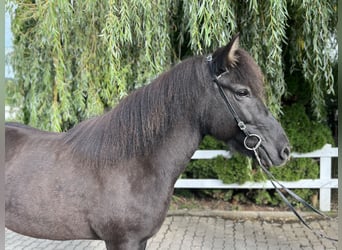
[[12, 93], [311, 50], [296, 169], [198, 169], [264, 197], [225, 196], [204, 168], [305, 135], [74, 59], [230, 171], [209, 142], [210, 24]]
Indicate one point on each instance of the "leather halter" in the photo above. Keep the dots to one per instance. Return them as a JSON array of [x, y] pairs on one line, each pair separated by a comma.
[[242, 126]]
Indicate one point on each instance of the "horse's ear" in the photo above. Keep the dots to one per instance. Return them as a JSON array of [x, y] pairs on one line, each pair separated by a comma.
[[231, 49], [226, 57]]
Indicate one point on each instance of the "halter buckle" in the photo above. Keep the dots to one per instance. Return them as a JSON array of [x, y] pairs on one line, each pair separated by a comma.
[[242, 125]]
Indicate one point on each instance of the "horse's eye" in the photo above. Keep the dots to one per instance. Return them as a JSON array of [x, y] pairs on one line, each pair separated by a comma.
[[242, 92]]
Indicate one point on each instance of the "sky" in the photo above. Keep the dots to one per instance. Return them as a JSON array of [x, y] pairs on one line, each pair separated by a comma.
[[8, 43]]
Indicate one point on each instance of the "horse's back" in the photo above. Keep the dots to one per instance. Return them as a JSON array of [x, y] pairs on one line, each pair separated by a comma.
[[44, 188], [19, 127], [16, 135]]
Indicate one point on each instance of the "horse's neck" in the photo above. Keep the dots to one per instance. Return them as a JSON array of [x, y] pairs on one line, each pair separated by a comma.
[[175, 152]]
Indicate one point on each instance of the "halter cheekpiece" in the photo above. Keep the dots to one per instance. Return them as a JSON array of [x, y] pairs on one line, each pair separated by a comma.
[[242, 126]]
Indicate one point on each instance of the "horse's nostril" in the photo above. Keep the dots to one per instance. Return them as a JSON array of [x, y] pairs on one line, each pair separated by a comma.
[[285, 153]]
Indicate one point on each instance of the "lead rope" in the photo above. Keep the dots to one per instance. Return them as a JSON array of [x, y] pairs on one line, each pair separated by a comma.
[[274, 181]]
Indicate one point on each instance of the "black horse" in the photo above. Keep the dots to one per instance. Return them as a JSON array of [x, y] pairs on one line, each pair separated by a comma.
[[111, 177]]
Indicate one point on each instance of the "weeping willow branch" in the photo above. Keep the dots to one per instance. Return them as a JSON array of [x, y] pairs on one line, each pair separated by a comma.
[[209, 23], [275, 13], [313, 29], [74, 59], [317, 65]]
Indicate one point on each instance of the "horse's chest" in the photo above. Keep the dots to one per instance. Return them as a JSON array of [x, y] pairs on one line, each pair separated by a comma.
[[129, 206]]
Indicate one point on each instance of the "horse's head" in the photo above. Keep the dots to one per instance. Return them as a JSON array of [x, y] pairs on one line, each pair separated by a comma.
[[237, 87]]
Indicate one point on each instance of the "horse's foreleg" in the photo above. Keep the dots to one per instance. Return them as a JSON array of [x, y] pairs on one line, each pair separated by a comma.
[[130, 245]]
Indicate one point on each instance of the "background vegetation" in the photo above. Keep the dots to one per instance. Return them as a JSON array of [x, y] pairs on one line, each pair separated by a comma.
[[76, 59]]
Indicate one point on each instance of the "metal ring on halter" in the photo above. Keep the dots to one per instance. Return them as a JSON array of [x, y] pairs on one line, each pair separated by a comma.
[[256, 144]]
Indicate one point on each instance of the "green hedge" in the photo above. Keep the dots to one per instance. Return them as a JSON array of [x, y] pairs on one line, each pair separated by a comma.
[[304, 135]]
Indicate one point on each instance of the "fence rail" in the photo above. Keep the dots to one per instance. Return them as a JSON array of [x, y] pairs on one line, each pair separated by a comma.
[[325, 182]]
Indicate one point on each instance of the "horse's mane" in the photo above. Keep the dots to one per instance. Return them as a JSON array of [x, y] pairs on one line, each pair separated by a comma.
[[140, 121]]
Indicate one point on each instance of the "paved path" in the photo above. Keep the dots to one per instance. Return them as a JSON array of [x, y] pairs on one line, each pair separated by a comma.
[[202, 232]]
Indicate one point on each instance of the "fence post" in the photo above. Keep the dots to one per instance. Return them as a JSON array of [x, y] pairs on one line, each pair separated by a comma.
[[325, 174]]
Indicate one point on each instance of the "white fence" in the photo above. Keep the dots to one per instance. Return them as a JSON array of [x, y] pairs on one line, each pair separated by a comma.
[[325, 182]]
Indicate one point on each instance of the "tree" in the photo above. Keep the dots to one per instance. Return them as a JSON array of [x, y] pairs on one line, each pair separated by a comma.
[[74, 59]]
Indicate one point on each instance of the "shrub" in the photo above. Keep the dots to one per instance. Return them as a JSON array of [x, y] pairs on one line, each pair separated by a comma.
[[296, 169], [304, 134]]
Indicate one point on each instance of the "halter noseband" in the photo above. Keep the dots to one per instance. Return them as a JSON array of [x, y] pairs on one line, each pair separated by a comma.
[[242, 126]]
